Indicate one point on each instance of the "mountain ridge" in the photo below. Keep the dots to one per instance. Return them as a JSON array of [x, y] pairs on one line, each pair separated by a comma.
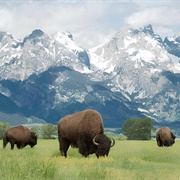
[[131, 76]]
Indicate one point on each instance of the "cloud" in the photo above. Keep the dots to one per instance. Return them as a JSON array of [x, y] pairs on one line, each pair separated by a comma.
[[90, 22], [6, 19], [164, 19], [163, 31], [156, 15]]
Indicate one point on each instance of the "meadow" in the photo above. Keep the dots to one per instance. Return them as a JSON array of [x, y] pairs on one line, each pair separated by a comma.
[[127, 160]]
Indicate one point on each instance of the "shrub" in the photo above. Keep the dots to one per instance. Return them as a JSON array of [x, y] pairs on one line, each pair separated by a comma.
[[138, 129]]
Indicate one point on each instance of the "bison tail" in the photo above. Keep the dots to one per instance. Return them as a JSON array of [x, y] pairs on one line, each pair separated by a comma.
[[160, 139]]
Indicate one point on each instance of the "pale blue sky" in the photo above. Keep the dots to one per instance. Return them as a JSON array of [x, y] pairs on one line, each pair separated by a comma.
[[91, 22]]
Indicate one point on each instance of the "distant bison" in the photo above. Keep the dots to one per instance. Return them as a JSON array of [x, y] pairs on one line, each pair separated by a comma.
[[165, 137], [83, 130], [19, 135]]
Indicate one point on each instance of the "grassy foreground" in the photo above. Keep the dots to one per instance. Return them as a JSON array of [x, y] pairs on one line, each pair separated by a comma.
[[127, 160]]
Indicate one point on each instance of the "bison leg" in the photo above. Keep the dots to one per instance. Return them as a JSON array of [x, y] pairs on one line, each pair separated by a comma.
[[160, 143], [4, 145], [19, 145], [159, 140], [83, 150], [12, 145], [64, 145], [84, 146]]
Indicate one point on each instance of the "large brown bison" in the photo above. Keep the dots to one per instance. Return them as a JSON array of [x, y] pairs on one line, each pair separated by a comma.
[[83, 130], [165, 137], [19, 135]]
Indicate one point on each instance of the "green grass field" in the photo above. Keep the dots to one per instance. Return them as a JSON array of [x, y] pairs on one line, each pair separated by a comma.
[[127, 160]]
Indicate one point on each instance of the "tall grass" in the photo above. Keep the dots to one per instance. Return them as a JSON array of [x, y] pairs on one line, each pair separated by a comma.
[[127, 160]]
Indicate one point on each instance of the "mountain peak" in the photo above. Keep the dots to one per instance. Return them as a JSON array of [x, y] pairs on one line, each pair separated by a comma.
[[36, 33], [2, 34], [148, 29], [63, 37], [177, 37], [68, 34], [34, 36], [172, 45], [66, 39]]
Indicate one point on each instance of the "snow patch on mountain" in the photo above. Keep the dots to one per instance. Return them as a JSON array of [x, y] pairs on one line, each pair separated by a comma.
[[128, 41], [176, 62], [66, 39]]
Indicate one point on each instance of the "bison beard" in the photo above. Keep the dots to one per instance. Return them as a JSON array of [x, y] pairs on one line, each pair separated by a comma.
[[83, 130], [19, 135], [165, 137]]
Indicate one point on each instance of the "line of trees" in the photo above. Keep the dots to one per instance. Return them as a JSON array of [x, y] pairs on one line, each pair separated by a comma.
[[134, 129], [46, 131]]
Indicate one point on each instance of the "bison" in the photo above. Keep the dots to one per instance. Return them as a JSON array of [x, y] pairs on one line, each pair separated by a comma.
[[165, 137], [19, 135], [83, 130]]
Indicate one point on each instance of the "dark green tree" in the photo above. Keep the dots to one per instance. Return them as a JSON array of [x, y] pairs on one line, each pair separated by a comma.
[[47, 131], [138, 128], [3, 128]]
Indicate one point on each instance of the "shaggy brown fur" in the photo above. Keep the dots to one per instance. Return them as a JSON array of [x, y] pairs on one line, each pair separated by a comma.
[[19, 135], [79, 129], [165, 137]]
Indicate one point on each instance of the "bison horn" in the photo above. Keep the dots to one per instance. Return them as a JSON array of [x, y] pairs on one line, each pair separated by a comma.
[[112, 143], [94, 141]]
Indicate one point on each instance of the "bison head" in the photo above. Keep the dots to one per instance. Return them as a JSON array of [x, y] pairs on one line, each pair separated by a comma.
[[173, 139], [173, 136], [103, 144], [33, 140]]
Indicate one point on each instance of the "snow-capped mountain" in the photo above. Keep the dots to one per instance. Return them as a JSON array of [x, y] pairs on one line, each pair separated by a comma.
[[36, 53], [133, 75], [139, 66], [134, 59]]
